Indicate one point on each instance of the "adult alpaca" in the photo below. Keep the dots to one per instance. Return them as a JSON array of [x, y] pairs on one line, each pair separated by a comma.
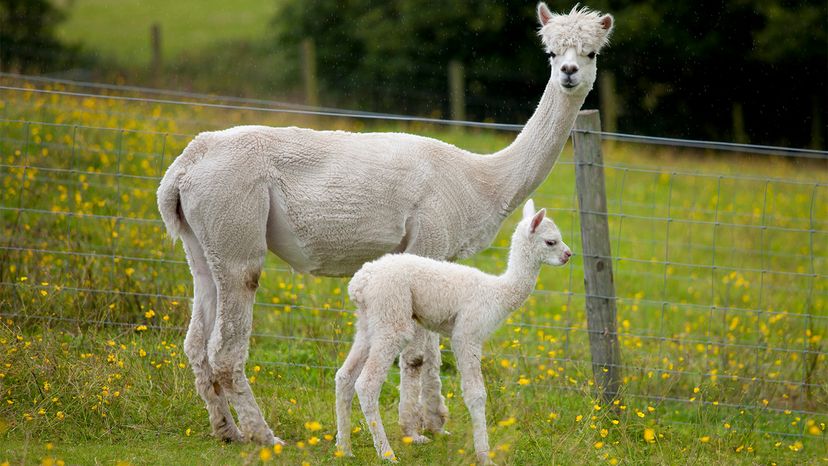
[[328, 201]]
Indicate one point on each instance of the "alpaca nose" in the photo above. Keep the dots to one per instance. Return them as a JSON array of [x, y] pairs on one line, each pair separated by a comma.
[[568, 253], [569, 69]]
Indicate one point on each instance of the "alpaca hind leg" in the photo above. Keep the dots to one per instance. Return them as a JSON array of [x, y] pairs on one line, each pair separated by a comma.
[[231, 221], [435, 412], [228, 349], [384, 349], [468, 355], [411, 364], [346, 378], [195, 343]]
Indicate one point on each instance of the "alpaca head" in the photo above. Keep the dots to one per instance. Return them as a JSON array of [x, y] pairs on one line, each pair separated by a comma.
[[539, 237], [573, 42]]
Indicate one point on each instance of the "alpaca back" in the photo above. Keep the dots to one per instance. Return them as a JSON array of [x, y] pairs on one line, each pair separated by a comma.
[[405, 286]]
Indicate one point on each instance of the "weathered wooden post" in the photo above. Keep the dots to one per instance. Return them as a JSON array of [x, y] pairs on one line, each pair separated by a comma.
[[595, 243], [457, 92], [309, 72], [609, 103], [155, 47]]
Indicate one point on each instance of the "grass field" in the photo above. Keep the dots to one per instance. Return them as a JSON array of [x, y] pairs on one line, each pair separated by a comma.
[[121, 30], [720, 272]]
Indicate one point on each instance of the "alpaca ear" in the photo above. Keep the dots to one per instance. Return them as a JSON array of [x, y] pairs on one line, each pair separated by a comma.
[[607, 23], [544, 15], [536, 220], [529, 208]]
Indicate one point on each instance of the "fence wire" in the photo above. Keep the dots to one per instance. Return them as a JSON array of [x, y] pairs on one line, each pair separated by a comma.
[[721, 276]]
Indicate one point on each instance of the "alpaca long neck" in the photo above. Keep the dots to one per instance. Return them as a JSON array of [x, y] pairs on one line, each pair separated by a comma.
[[522, 166], [518, 282]]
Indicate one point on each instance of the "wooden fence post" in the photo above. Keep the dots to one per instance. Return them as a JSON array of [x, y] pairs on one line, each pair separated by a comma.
[[155, 47], [609, 103], [457, 93], [309, 72], [595, 242]]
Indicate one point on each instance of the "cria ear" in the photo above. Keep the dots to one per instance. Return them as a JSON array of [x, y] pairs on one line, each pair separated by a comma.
[[544, 15], [606, 23], [529, 208], [536, 220]]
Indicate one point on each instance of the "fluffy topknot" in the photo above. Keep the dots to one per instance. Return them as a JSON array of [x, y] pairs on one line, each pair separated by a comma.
[[582, 28]]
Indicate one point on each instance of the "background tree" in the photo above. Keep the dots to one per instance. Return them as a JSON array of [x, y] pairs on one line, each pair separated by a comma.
[[393, 55], [749, 71], [27, 36]]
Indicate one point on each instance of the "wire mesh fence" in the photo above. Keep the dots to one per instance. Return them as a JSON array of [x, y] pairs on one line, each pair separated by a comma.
[[720, 261]]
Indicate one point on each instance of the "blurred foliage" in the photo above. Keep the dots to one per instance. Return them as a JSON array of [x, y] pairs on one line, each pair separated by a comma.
[[750, 70], [746, 70], [393, 56], [27, 36], [685, 69]]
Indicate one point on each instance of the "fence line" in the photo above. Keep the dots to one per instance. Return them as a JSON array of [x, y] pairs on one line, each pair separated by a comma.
[[619, 166], [519, 325], [341, 113]]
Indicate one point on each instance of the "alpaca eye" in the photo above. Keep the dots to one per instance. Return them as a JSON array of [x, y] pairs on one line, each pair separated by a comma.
[[591, 55], [551, 242], [552, 54]]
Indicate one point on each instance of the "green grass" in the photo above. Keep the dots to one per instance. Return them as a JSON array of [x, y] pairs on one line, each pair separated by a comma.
[[121, 30], [80, 372]]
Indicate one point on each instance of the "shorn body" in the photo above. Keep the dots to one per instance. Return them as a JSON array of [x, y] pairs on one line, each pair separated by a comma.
[[328, 201], [398, 293]]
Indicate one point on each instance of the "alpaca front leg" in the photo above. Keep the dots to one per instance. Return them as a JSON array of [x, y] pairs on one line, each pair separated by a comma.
[[468, 355]]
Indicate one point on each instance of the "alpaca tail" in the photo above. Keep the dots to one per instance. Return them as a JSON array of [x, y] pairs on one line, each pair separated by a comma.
[[356, 287], [169, 193], [358, 284]]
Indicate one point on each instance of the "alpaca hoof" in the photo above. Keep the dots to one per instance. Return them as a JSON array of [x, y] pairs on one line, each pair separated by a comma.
[[483, 458], [231, 439], [266, 438], [438, 431], [229, 435], [419, 439], [435, 420], [345, 449]]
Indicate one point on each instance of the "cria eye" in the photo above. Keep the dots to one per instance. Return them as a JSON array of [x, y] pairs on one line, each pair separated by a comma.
[[552, 54], [591, 55], [551, 242]]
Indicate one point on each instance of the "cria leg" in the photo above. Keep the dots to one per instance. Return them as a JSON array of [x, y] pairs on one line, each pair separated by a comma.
[[435, 412], [384, 349], [346, 378], [467, 354], [411, 364], [421, 403], [195, 343]]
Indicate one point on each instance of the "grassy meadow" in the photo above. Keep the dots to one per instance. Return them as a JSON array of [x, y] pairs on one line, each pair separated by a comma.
[[720, 262], [186, 26]]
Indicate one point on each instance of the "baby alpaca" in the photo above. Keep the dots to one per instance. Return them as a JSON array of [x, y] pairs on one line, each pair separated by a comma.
[[398, 291]]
